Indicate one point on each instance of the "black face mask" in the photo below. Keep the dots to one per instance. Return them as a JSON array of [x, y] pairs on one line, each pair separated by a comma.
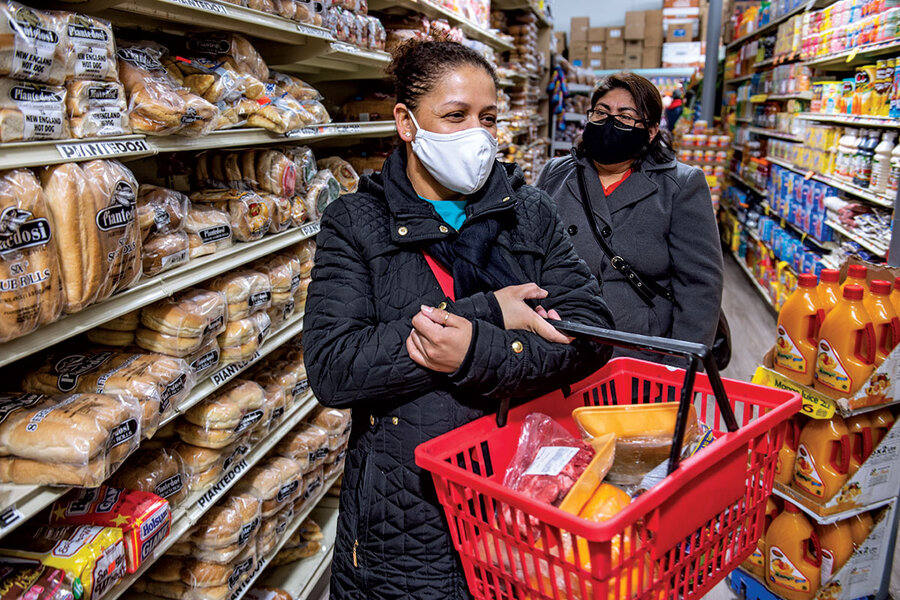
[[609, 145]]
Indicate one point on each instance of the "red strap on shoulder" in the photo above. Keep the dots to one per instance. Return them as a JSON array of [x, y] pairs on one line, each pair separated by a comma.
[[443, 276]]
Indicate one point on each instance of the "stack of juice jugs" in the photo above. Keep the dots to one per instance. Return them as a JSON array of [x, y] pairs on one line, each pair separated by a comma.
[[832, 337]]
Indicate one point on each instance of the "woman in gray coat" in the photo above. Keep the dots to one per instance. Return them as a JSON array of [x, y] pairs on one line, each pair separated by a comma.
[[662, 266]]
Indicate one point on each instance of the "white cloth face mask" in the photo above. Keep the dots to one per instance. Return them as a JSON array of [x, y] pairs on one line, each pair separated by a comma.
[[459, 161]]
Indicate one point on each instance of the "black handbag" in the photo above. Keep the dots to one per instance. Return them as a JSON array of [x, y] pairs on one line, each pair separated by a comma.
[[647, 289]]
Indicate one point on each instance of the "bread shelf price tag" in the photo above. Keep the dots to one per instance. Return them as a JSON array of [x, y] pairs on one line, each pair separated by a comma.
[[310, 229], [217, 490], [305, 132], [314, 31], [9, 517], [204, 5], [110, 148]]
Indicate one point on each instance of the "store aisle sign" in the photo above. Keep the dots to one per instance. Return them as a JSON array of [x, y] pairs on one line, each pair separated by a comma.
[[204, 5], [75, 150]]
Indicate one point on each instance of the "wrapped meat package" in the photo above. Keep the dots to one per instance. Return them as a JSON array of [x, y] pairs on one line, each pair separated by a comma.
[[79, 439], [32, 293]]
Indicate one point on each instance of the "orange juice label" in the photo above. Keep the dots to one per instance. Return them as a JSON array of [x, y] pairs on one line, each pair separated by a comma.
[[830, 370], [756, 559], [783, 573], [805, 474], [787, 354], [827, 564]]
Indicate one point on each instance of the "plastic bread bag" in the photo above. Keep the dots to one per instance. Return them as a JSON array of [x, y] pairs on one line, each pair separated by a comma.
[[240, 339], [212, 580], [276, 173], [76, 439], [227, 526], [234, 113], [246, 291], [200, 117], [307, 444], [155, 104], [92, 557], [305, 251], [279, 314], [163, 251], [305, 166], [279, 208], [161, 210], [127, 322], [158, 471], [267, 538], [146, 522], [276, 402], [377, 34], [263, 325], [27, 257], [236, 407], [90, 48], [332, 420], [283, 273], [97, 108], [313, 480], [211, 79], [208, 229], [274, 478], [279, 112], [232, 47], [286, 380], [296, 87], [298, 372], [336, 466], [110, 338], [287, 556], [32, 111], [205, 360], [343, 171], [116, 221], [34, 44], [283, 518], [250, 217], [193, 313], [209, 176], [318, 111]]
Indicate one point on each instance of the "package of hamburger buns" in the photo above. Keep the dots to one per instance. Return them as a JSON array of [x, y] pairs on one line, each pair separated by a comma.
[[211, 580], [225, 530], [161, 210], [118, 332], [275, 482], [73, 439], [146, 523], [158, 382], [31, 293], [343, 171], [281, 210], [208, 229], [306, 444], [246, 291], [223, 418], [182, 324], [34, 43], [159, 471]]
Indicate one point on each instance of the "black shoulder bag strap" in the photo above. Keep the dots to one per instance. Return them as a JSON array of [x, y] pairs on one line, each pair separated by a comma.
[[646, 291]]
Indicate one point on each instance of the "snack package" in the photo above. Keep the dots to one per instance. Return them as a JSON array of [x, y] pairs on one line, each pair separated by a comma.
[[93, 555], [343, 172], [117, 222], [161, 210], [158, 382], [90, 49], [157, 471], [32, 293], [208, 229], [191, 314], [246, 292], [33, 581], [97, 108], [35, 43], [32, 111], [79, 439], [144, 518]]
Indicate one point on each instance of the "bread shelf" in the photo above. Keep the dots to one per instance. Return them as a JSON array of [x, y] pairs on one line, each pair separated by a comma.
[[434, 11], [150, 290], [854, 120], [864, 242], [836, 183], [300, 578], [774, 134], [188, 512], [221, 376], [28, 154]]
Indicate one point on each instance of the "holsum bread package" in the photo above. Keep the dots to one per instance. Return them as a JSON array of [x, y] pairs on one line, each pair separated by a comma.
[[31, 291], [76, 439]]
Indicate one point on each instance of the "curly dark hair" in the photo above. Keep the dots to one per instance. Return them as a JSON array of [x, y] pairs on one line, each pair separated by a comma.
[[648, 103], [418, 65]]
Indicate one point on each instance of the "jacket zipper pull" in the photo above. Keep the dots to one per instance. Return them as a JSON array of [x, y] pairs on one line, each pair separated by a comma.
[[355, 546]]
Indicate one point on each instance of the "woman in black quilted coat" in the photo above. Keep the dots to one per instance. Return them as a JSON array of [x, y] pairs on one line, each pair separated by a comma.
[[414, 359]]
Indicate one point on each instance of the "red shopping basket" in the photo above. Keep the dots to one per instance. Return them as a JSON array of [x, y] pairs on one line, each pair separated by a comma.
[[675, 541]]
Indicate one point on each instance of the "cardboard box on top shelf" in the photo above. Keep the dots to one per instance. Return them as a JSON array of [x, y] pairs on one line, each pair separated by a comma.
[[615, 61], [578, 52], [615, 43], [686, 31], [596, 63], [653, 28], [683, 54], [681, 3], [596, 49], [652, 57], [634, 25], [633, 46], [560, 37], [671, 14], [578, 29], [634, 60], [597, 34]]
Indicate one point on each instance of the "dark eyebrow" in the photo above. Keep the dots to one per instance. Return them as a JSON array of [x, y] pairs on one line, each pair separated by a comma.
[[454, 104], [605, 106], [489, 108]]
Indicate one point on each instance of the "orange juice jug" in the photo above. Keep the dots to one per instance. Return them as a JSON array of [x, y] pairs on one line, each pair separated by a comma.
[[884, 318], [837, 547], [756, 562], [857, 274], [829, 288], [882, 421], [895, 295], [860, 429], [784, 464], [860, 527], [846, 356], [823, 458], [794, 561], [798, 331]]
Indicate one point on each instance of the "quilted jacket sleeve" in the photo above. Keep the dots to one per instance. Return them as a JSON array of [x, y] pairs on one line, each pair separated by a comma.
[[350, 356], [694, 245], [498, 366]]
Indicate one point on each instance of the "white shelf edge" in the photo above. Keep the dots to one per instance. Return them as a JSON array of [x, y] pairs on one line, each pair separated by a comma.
[[150, 290], [855, 120], [835, 183], [753, 188], [823, 520], [774, 134], [870, 246], [195, 506]]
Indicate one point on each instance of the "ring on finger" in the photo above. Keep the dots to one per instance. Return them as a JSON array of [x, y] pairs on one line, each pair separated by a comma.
[[446, 318]]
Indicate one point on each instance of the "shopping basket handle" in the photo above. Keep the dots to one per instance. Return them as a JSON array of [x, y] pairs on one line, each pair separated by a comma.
[[695, 353]]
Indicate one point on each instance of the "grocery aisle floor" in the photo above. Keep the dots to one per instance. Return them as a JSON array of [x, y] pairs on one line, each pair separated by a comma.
[[752, 323]]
